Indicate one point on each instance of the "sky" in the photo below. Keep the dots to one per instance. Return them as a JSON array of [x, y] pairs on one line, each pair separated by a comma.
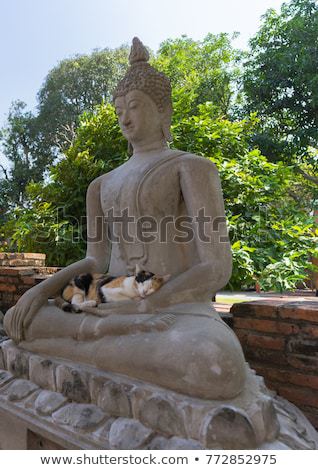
[[36, 34]]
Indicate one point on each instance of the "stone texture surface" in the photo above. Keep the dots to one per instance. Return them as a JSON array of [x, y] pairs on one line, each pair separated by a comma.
[[177, 443], [5, 377], [19, 389], [158, 443], [17, 362], [48, 402], [73, 383], [42, 372], [29, 401], [128, 434], [228, 428], [88, 426], [102, 433], [81, 417], [115, 400], [2, 363], [158, 413]]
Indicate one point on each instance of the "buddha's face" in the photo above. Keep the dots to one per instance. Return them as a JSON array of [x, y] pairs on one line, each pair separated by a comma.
[[138, 117]]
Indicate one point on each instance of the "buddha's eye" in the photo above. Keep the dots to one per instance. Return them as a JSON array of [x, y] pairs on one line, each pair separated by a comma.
[[133, 105]]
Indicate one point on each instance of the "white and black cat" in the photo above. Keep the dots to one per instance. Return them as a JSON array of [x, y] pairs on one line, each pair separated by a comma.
[[89, 290]]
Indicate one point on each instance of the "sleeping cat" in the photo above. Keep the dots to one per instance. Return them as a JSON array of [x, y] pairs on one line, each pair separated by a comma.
[[89, 290]]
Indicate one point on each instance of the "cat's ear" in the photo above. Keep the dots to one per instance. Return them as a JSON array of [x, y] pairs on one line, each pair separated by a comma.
[[137, 269], [166, 277]]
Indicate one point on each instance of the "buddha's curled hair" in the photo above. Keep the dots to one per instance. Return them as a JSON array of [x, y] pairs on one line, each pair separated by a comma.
[[143, 77]]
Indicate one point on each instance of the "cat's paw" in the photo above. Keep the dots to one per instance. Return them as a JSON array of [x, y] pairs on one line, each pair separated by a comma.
[[76, 308], [67, 307], [88, 303]]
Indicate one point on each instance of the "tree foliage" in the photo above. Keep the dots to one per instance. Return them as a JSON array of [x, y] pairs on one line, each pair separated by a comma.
[[27, 152], [201, 71], [281, 81], [77, 85], [33, 141]]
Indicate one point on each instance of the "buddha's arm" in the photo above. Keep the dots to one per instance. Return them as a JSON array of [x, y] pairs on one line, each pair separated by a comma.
[[28, 305], [98, 244], [202, 193]]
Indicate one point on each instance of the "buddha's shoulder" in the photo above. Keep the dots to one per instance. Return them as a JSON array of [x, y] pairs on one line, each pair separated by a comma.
[[191, 161], [100, 180]]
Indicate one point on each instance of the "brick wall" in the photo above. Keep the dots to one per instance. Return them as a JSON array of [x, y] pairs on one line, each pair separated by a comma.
[[19, 272], [280, 341]]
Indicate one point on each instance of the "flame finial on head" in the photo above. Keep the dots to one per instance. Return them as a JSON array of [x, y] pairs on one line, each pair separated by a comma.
[[138, 52]]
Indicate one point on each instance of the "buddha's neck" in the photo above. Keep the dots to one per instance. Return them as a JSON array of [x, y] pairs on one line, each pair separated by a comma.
[[143, 148]]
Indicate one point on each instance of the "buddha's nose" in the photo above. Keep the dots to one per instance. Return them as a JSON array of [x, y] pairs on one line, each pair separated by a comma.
[[126, 119]]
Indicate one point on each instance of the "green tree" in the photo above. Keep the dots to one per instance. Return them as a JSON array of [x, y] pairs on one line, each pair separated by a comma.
[[53, 222], [201, 71], [76, 85], [27, 153], [271, 231], [31, 142], [281, 81]]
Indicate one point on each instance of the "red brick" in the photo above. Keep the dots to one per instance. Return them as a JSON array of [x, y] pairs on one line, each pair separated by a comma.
[[26, 271], [9, 280], [257, 309], [303, 363], [260, 341], [11, 271], [28, 280], [310, 330], [305, 346], [298, 395], [34, 256], [265, 356], [21, 259], [269, 326], [288, 376], [7, 288], [300, 311], [5, 271]]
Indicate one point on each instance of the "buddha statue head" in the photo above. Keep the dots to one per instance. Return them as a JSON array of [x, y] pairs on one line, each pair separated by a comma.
[[145, 82]]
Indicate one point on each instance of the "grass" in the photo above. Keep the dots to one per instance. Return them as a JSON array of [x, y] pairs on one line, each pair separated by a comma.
[[229, 300]]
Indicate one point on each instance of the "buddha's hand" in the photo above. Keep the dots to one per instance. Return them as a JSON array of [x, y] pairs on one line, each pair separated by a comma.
[[22, 314]]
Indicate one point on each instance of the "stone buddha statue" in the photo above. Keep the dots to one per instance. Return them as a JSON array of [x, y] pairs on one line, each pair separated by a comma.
[[163, 210]]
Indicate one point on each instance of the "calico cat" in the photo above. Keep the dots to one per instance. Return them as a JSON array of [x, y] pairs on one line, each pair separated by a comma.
[[89, 290]]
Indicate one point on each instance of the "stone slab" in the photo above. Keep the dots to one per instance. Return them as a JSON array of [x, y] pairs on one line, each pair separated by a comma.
[[156, 418]]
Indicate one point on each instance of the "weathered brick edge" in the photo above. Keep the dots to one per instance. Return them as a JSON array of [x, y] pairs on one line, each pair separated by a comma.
[[280, 341], [18, 273]]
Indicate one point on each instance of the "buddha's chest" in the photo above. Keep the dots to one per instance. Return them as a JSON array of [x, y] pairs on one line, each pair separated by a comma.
[[143, 189]]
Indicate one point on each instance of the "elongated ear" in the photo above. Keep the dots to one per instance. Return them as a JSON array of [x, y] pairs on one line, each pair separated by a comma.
[[166, 277], [137, 269]]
